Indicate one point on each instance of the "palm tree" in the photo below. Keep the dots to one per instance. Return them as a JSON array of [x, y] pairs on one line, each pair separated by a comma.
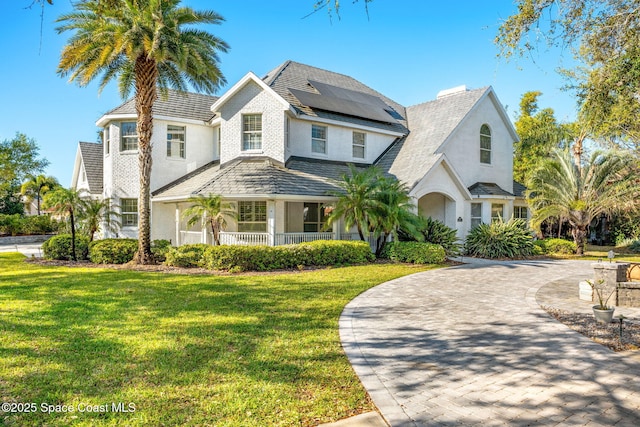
[[37, 186], [606, 184], [147, 45], [96, 214], [394, 210], [356, 200], [65, 201], [209, 209]]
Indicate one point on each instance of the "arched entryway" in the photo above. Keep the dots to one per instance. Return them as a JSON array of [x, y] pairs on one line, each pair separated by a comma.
[[438, 206]]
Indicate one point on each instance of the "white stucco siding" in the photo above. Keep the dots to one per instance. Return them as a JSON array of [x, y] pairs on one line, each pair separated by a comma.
[[163, 222], [339, 142], [107, 164], [252, 99], [463, 149]]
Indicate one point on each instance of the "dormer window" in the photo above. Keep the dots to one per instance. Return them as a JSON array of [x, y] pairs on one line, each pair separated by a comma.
[[485, 145], [251, 132]]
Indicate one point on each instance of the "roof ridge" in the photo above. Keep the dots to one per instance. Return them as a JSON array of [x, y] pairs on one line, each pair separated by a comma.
[[279, 70], [480, 89]]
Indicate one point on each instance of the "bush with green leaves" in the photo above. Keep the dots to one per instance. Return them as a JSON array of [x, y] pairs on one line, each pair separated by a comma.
[[539, 247], [59, 247], [265, 258], [559, 246], [159, 249], [112, 251], [186, 255], [415, 252], [31, 225], [500, 239], [436, 232], [635, 247]]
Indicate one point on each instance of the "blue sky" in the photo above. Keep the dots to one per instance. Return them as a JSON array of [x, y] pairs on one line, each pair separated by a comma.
[[408, 50]]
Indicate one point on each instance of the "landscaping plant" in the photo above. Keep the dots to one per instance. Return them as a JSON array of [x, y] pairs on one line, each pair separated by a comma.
[[500, 239]]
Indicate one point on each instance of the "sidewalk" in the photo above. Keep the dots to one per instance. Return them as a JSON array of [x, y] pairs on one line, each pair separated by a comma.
[[28, 249]]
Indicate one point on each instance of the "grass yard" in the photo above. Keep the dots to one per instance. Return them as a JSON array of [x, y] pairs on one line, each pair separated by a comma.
[[252, 350], [594, 252]]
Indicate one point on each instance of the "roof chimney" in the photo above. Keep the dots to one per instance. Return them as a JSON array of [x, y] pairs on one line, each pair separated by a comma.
[[452, 91]]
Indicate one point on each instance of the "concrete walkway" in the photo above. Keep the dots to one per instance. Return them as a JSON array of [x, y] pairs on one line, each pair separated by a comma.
[[470, 345]]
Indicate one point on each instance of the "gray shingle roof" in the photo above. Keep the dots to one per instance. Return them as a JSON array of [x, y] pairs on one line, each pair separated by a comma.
[[293, 75], [488, 189], [92, 158], [185, 105], [430, 125], [519, 190], [254, 176]]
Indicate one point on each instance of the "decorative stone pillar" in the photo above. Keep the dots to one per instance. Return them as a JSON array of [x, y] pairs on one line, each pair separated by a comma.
[[611, 273]]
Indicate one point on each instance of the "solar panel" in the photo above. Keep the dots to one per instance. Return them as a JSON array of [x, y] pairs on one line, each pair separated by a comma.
[[343, 106], [349, 95]]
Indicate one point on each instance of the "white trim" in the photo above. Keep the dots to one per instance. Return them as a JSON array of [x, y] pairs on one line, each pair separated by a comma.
[[102, 121], [215, 108], [241, 197], [442, 159], [349, 125]]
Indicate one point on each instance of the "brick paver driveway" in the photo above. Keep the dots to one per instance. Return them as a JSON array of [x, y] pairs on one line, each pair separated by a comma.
[[469, 345]]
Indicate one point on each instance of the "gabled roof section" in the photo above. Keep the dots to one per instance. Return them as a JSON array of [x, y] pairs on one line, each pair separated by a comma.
[[249, 77], [92, 159], [181, 105], [431, 124], [292, 76]]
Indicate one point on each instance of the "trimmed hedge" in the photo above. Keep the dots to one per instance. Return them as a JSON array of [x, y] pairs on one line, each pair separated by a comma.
[[265, 258], [415, 252], [18, 224], [160, 248], [59, 247], [186, 255], [112, 251], [500, 239], [558, 246]]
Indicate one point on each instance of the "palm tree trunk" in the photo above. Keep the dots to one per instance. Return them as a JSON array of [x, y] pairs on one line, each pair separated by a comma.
[[37, 202], [215, 233], [146, 73], [73, 236], [579, 236]]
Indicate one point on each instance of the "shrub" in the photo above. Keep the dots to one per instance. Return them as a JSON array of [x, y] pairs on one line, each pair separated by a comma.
[[39, 224], [11, 224], [560, 246], [500, 240], [635, 247], [186, 255], [112, 251], [59, 247], [415, 252], [539, 247], [436, 232], [264, 258], [159, 249]]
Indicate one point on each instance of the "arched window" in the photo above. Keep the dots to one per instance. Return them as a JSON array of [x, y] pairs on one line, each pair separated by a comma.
[[485, 144]]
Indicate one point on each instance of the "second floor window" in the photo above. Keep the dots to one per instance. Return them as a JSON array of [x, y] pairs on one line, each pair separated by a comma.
[[128, 136], [485, 145], [129, 212], [359, 140], [252, 132], [318, 139], [176, 141]]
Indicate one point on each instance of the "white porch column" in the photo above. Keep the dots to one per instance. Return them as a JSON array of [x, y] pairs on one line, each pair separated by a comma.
[[271, 222], [337, 227], [177, 225], [204, 229]]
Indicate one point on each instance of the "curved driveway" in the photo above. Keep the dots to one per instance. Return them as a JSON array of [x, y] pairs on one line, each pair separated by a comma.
[[469, 345]]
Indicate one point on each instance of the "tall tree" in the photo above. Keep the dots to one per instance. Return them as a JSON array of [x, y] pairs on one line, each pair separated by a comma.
[[540, 134], [211, 210], [96, 215], [605, 184], [66, 202], [603, 34], [35, 187], [147, 45]]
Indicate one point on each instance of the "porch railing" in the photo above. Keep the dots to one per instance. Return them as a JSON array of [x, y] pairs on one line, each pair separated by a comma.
[[294, 238], [190, 237], [251, 239]]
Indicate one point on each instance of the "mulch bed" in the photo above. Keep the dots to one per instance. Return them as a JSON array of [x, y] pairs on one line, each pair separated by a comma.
[[607, 335]]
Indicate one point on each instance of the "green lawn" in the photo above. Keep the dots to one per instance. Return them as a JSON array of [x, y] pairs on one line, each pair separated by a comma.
[[252, 350], [593, 252]]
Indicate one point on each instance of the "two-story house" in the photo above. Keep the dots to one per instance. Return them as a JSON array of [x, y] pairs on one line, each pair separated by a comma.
[[275, 147]]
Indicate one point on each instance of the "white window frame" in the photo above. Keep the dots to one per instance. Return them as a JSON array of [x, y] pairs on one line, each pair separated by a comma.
[[319, 212], [494, 208], [519, 210], [358, 145], [252, 132], [477, 219], [317, 140], [129, 217], [175, 130], [485, 144], [128, 141], [106, 139], [252, 216]]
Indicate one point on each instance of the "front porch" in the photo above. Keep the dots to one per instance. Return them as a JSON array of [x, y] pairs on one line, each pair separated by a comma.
[[255, 239]]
